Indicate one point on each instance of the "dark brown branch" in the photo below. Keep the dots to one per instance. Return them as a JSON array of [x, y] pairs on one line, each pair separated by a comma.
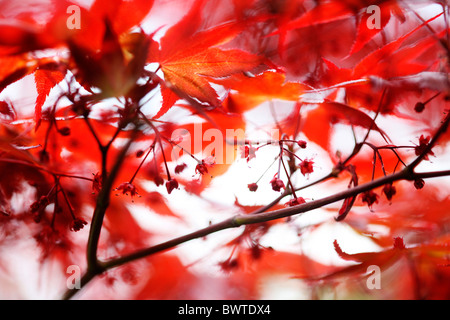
[[245, 219], [101, 206], [240, 220], [94, 266]]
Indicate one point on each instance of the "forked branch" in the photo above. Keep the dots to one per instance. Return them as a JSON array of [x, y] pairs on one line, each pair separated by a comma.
[[258, 216]]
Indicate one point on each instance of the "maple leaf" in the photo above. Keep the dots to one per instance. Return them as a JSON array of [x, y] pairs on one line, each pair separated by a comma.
[[382, 259], [45, 81], [187, 67], [188, 73], [388, 67], [366, 65], [252, 91], [116, 67], [322, 13], [14, 68], [348, 202], [330, 11], [365, 34], [431, 255], [17, 152], [128, 13], [20, 37], [121, 16], [7, 112], [329, 113]]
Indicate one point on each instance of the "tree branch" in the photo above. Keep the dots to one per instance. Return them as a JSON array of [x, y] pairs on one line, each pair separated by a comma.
[[101, 206], [246, 219], [96, 267]]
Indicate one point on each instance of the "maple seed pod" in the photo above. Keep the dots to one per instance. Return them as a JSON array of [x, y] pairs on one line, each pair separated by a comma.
[[139, 153], [277, 184], [126, 188], [302, 144], [295, 202], [201, 168], [369, 197], [252, 187], [229, 264], [171, 184], [97, 182], [306, 167], [419, 184], [423, 144], [40, 204], [77, 224], [158, 180], [179, 168], [389, 191], [419, 107], [65, 131]]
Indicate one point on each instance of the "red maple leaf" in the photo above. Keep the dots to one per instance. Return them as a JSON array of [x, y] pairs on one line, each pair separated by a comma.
[[187, 67]]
